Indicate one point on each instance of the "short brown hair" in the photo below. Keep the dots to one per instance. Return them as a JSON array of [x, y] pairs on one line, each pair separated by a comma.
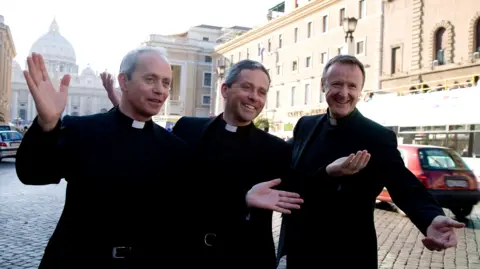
[[343, 59]]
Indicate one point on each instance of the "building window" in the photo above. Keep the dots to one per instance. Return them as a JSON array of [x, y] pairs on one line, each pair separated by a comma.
[[307, 94], [269, 46], [360, 47], [477, 36], [248, 54], [277, 102], [207, 79], [339, 50], [279, 69], [239, 56], [309, 30], [308, 61], [362, 9], [341, 16], [259, 49], [294, 66], [208, 59], [205, 38], [323, 58], [396, 60], [325, 24], [22, 114], [231, 60], [206, 99], [280, 41], [292, 97], [295, 35], [277, 57], [439, 45]]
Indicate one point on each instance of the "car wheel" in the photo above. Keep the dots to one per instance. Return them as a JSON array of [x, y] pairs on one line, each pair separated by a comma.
[[462, 212]]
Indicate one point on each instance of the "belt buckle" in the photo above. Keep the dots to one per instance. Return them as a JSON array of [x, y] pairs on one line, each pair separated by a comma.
[[117, 255], [208, 236]]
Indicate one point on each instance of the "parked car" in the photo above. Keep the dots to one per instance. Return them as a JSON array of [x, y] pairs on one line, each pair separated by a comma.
[[444, 173], [9, 143], [5, 127]]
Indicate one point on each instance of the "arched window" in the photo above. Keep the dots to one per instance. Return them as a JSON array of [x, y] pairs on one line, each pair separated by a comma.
[[440, 45], [477, 35]]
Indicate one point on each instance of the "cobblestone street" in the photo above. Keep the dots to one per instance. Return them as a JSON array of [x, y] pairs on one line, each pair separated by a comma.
[[28, 215]]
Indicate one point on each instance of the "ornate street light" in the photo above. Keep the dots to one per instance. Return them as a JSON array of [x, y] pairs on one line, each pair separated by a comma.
[[221, 71], [349, 25]]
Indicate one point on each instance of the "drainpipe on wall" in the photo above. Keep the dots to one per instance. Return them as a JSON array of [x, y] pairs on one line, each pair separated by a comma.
[[380, 44]]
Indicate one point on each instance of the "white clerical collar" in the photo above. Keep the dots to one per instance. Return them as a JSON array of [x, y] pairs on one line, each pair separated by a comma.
[[138, 124], [332, 121], [231, 128]]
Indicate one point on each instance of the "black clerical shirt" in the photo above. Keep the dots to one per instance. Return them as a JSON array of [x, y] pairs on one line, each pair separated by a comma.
[[123, 180]]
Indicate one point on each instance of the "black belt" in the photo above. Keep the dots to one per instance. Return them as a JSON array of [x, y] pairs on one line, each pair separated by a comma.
[[121, 252]]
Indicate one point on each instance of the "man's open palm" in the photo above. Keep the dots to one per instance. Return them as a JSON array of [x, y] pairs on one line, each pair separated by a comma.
[[263, 196], [49, 102], [441, 233]]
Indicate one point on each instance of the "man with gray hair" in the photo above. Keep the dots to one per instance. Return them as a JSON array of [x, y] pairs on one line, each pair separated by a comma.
[[120, 168], [233, 227]]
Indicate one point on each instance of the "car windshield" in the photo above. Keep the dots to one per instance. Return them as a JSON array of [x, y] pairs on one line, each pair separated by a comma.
[[4, 128], [438, 158], [10, 136]]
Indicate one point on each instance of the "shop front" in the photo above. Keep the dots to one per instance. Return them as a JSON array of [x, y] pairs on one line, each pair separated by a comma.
[[446, 118]]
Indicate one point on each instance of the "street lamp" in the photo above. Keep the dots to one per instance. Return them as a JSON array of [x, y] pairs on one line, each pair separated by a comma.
[[349, 25]]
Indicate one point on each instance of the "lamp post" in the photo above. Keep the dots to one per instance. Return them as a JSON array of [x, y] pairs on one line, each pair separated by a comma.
[[216, 92], [349, 26]]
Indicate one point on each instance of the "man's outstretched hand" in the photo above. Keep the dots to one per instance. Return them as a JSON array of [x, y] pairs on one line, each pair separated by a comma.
[[347, 166], [441, 233], [113, 95], [264, 196]]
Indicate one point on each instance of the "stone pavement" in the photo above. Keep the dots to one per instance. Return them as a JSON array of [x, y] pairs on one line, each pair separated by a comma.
[[28, 215]]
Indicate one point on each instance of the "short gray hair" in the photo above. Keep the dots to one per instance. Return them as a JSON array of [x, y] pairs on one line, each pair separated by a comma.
[[343, 59], [234, 71], [129, 61]]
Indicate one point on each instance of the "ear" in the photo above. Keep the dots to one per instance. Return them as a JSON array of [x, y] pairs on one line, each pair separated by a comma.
[[224, 90], [324, 86], [122, 81]]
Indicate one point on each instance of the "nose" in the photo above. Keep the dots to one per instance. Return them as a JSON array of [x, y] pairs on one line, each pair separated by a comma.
[[253, 96], [159, 89], [343, 91]]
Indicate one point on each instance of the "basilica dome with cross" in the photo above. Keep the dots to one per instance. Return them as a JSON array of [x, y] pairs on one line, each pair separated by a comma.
[[86, 94]]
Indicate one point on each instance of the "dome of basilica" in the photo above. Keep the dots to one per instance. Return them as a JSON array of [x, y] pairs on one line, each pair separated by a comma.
[[53, 46]]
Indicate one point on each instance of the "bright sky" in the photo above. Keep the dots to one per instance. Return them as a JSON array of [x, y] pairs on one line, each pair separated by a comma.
[[102, 31]]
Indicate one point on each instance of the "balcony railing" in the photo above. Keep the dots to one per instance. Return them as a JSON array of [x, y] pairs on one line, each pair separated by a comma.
[[430, 86], [183, 41]]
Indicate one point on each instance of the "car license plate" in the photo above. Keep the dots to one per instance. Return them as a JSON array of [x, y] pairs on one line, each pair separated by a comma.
[[457, 183], [14, 144]]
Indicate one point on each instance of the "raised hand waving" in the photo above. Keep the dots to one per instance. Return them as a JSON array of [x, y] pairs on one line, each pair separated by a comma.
[[49, 102]]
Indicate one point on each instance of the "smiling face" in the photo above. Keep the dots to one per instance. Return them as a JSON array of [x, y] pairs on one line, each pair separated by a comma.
[[149, 85], [343, 85], [246, 97]]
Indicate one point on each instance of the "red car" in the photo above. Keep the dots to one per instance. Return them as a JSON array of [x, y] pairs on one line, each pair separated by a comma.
[[444, 173]]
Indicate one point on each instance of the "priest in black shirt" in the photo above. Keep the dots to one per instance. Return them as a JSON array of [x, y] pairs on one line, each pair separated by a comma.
[[336, 222], [123, 171], [241, 166]]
